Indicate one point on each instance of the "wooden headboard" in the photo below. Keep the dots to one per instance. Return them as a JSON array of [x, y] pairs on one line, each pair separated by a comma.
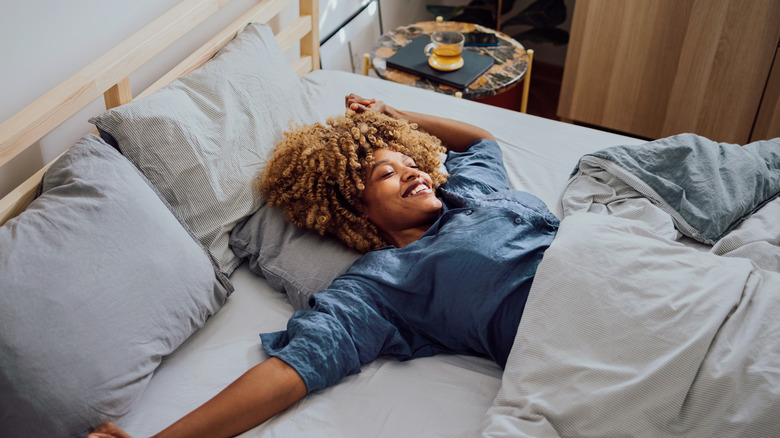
[[109, 75]]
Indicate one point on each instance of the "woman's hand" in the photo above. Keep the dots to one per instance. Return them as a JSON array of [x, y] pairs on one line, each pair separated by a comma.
[[108, 430], [360, 104], [455, 135]]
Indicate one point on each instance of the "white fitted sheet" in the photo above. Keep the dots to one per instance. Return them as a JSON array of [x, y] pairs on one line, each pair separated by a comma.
[[445, 395]]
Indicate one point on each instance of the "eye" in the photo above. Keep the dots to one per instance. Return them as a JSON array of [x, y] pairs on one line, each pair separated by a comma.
[[386, 172]]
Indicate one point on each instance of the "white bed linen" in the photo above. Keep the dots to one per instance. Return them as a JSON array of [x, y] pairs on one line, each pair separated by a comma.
[[628, 332], [445, 395]]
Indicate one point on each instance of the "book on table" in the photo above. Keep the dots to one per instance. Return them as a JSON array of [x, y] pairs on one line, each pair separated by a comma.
[[412, 59]]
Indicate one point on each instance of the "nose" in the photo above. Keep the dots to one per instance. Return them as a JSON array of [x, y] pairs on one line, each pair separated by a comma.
[[411, 174]]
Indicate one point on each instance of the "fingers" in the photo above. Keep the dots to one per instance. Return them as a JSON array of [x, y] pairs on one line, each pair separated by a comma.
[[108, 430], [350, 98], [357, 103], [358, 108]]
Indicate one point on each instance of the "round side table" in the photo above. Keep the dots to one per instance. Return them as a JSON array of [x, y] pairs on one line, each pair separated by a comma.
[[511, 59]]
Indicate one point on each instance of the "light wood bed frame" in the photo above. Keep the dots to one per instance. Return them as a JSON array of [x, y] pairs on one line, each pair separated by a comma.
[[109, 75]]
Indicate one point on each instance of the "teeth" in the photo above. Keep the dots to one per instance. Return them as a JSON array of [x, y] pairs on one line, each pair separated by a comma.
[[418, 189]]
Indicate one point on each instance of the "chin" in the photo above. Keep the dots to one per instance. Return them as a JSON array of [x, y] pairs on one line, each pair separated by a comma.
[[436, 203], [434, 208]]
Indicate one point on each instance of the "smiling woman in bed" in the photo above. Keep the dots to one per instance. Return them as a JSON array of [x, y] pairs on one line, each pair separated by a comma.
[[448, 265]]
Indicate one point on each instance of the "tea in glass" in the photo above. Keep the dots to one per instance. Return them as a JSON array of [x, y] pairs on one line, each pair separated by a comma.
[[445, 50]]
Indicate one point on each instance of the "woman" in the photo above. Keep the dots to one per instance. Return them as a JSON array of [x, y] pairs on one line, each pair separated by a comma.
[[449, 270]]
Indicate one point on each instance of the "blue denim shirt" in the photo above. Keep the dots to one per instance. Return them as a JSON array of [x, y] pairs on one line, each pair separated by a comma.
[[461, 288]]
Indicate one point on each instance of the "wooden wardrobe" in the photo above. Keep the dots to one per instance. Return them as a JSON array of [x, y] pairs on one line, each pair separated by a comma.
[[655, 68]]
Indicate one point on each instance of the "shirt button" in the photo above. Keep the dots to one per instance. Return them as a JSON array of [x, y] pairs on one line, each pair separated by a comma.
[[468, 212], [518, 220]]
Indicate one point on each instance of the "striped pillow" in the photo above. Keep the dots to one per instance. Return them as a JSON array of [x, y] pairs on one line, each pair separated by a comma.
[[203, 139]]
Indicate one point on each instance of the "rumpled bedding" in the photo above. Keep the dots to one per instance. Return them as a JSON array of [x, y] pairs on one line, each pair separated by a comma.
[[706, 187], [649, 322]]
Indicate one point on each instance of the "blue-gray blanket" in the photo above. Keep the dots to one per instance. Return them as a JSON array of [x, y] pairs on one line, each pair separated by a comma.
[[707, 187]]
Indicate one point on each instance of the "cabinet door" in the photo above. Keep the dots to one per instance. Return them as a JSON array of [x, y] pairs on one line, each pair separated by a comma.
[[655, 68], [768, 120]]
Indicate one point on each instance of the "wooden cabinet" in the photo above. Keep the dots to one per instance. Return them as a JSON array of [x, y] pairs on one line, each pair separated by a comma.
[[768, 121], [655, 68]]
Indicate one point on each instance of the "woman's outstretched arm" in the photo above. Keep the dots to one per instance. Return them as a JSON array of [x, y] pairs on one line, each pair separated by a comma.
[[456, 135], [262, 392]]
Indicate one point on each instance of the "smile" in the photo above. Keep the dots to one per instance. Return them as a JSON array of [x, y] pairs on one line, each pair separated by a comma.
[[417, 189]]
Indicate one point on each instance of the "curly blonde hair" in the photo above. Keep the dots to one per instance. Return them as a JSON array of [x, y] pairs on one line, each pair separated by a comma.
[[317, 173]]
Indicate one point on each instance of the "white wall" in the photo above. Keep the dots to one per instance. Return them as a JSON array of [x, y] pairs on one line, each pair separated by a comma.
[[44, 42], [403, 12]]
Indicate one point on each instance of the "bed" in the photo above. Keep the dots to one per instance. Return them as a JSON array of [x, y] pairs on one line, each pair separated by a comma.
[[140, 266]]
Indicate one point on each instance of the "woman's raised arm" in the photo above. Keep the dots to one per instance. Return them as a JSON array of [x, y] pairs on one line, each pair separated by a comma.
[[456, 135]]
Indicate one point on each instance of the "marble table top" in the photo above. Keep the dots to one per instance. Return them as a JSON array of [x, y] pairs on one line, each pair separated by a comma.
[[511, 59]]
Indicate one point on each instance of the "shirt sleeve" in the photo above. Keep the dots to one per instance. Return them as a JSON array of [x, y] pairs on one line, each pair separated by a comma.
[[479, 168], [347, 327]]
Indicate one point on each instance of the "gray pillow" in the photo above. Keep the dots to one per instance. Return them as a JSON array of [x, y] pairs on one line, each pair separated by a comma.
[[99, 282], [296, 261], [203, 139]]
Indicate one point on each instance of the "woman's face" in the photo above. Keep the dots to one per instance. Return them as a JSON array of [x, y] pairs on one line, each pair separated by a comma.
[[398, 196]]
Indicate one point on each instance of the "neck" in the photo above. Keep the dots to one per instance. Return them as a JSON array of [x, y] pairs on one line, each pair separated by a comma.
[[401, 238]]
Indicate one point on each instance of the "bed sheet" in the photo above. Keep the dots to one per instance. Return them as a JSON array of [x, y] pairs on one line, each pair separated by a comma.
[[445, 395]]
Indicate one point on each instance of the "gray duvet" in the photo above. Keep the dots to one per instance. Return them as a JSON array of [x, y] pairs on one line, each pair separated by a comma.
[[632, 329]]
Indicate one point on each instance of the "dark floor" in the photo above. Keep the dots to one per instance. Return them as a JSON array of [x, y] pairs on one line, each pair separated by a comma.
[[543, 97]]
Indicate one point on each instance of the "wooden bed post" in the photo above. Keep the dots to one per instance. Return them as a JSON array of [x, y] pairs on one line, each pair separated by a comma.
[[310, 44], [119, 94]]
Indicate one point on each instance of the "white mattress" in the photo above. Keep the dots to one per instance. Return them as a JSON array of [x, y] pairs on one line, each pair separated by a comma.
[[445, 395]]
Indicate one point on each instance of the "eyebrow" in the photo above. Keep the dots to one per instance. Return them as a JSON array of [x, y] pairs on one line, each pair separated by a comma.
[[377, 164], [385, 161]]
